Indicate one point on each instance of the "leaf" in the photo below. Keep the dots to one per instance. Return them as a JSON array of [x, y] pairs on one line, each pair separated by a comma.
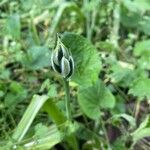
[[130, 16], [40, 130], [28, 117], [137, 5], [26, 5], [121, 74], [13, 26], [144, 124], [130, 5], [54, 113], [143, 130], [142, 48], [144, 25], [127, 117], [92, 99], [141, 134], [144, 62], [1, 93], [37, 57], [65, 6], [141, 88], [51, 138], [16, 94], [51, 88], [143, 5], [87, 62], [4, 74]]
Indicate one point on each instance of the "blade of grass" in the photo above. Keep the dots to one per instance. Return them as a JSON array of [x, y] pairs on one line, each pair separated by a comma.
[[58, 118], [55, 114], [28, 117], [71, 6]]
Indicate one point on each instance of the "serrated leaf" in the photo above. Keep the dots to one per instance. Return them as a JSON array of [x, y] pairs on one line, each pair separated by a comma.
[[141, 88], [87, 62], [92, 99]]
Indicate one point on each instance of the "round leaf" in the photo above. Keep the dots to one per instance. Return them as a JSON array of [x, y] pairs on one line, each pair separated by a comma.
[[87, 62], [92, 99]]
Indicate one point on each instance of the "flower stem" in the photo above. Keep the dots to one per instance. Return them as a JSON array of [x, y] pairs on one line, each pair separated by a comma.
[[67, 99]]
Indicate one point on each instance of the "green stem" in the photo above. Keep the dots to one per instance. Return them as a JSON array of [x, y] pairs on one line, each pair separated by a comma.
[[88, 19], [72, 138], [34, 33], [106, 136], [67, 99]]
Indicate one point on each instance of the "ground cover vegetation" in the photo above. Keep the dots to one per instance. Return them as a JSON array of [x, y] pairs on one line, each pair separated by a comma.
[[85, 88]]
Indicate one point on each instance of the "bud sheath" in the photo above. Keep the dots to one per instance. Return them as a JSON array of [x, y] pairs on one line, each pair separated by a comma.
[[61, 60]]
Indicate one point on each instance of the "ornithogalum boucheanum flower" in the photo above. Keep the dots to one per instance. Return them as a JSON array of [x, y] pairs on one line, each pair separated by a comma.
[[61, 59]]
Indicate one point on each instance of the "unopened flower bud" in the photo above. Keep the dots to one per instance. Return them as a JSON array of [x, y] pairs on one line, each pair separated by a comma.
[[61, 59]]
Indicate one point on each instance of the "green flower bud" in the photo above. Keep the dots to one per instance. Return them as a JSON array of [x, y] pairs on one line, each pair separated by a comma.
[[61, 60]]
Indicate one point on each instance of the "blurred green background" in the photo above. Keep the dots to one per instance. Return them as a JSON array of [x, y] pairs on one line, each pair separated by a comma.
[[115, 48]]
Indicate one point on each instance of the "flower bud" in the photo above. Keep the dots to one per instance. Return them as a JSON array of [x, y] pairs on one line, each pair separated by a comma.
[[61, 60]]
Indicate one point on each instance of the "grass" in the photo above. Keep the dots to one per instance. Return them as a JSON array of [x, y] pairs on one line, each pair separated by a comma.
[[109, 90]]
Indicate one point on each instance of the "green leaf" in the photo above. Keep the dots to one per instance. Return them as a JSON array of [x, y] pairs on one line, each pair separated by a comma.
[[142, 48], [50, 138], [37, 57], [144, 25], [1, 93], [15, 87], [143, 5], [144, 62], [130, 5], [144, 124], [55, 114], [130, 16], [26, 5], [16, 94], [143, 130], [40, 130], [28, 117], [137, 5], [65, 7], [141, 134], [5, 74], [87, 62], [92, 99], [51, 88], [127, 117], [122, 74], [141, 88], [13, 26]]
